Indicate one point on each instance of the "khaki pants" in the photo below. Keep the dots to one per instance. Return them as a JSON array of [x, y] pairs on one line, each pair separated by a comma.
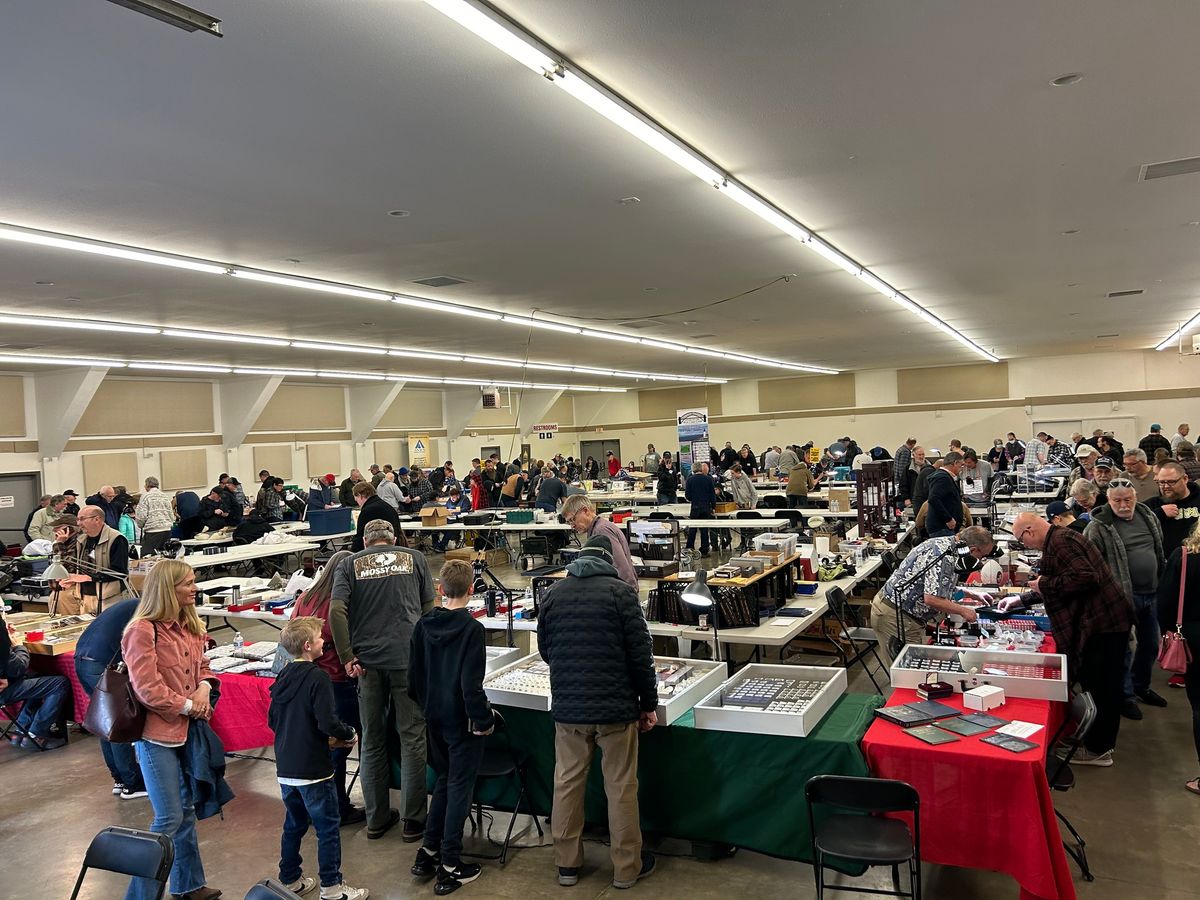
[[883, 623], [72, 603], [573, 749]]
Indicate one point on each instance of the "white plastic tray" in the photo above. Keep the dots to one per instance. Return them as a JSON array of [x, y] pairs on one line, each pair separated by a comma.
[[508, 697], [1051, 687], [710, 714], [498, 657], [709, 676]]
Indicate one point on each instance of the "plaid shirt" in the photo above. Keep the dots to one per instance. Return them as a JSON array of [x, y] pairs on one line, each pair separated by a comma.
[[1082, 596], [901, 464], [1059, 453]]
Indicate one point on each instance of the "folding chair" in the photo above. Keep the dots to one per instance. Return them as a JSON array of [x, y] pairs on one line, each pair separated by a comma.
[[772, 501], [1080, 716], [744, 534], [870, 839], [863, 641], [503, 762], [128, 851], [11, 714]]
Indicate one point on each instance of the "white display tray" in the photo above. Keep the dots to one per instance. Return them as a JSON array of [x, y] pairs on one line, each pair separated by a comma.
[[711, 676], [496, 657], [1055, 687], [711, 715], [508, 697]]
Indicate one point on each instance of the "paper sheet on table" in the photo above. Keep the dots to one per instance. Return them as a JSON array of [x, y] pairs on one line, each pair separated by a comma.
[[1019, 729], [783, 621]]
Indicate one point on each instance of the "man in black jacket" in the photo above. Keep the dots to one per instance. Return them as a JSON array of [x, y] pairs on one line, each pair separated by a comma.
[[446, 667], [604, 691], [372, 507], [42, 697], [945, 501], [1177, 506], [701, 491]]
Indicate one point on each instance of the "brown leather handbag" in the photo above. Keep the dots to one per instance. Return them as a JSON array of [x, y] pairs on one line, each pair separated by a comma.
[[115, 713]]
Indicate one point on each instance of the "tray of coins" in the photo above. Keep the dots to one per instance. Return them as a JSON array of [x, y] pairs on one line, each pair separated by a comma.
[[525, 682], [772, 699], [682, 683], [1035, 676], [498, 657]]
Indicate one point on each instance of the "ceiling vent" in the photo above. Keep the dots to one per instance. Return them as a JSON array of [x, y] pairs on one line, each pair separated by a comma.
[[1115, 294], [1167, 169], [440, 281]]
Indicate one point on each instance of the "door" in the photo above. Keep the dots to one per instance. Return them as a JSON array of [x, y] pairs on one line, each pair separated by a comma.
[[485, 452], [598, 450], [1123, 428], [19, 494]]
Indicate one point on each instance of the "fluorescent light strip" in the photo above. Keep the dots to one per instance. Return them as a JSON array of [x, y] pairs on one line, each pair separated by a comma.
[[103, 248], [178, 367], [258, 371], [59, 361], [421, 354], [541, 323], [309, 284], [357, 376], [339, 348], [612, 336], [81, 324], [437, 306], [526, 49], [1175, 335], [222, 338], [662, 345]]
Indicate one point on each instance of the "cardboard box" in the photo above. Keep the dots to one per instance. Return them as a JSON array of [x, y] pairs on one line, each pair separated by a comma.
[[839, 499], [773, 558], [493, 557], [722, 508], [435, 516]]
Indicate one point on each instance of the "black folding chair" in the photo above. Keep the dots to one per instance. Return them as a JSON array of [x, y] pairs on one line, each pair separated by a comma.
[[772, 501], [127, 851], [870, 839], [1081, 714], [863, 641], [744, 534], [661, 515], [10, 723], [501, 759], [270, 889]]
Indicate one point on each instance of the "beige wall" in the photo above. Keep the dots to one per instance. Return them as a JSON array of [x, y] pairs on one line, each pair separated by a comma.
[[304, 407], [12, 406], [128, 406]]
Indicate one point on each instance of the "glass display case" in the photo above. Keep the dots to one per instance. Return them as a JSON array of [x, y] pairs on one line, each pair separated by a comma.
[[498, 657], [1035, 676], [789, 701]]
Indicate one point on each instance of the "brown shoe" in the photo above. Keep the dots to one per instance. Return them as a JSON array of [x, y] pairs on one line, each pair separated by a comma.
[[412, 831], [201, 893]]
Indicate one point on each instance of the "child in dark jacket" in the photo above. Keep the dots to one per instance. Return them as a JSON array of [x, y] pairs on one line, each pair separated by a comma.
[[445, 676], [305, 725]]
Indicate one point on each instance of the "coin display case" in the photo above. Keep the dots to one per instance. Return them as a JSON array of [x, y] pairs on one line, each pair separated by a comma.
[[789, 701], [1034, 676]]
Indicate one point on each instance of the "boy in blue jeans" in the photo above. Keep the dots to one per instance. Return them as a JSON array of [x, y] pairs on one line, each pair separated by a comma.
[[306, 726], [445, 676]]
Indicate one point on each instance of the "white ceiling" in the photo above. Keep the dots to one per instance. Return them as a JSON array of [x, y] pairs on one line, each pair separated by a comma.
[[921, 138]]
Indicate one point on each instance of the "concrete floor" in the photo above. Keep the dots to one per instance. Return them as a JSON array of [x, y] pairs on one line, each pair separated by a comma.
[[1142, 828]]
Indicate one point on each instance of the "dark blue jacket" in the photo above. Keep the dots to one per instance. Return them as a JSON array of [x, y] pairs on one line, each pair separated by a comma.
[[701, 490], [204, 770], [101, 641], [112, 512]]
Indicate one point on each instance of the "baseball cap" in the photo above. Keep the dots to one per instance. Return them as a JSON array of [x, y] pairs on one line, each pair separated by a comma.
[[69, 492], [1156, 427], [330, 478], [403, 470], [1055, 508], [1105, 463], [1085, 450]]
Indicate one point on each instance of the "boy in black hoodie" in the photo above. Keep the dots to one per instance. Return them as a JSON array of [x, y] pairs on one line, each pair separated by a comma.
[[445, 676], [305, 725]]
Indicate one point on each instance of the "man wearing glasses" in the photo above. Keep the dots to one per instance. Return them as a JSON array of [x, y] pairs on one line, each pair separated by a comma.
[[1090, 618], [579, 512], [1177, 506], [99, 547]]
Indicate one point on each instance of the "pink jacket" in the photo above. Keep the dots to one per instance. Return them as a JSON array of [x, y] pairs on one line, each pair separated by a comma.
[[165, 673]]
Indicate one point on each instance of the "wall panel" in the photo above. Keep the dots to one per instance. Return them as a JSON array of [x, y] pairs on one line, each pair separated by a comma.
[[666, 403], [275, 458], [304, 406], [414, 409], [134, 406], [808, 392], [109, 468], [12, 408], [982, 381], [183, 469], [323, 458]]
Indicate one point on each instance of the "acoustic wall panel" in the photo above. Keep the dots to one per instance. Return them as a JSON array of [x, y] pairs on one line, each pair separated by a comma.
[[110, 468], [12, 406], [323, 458], [308, 406], [275, 458], [183, 470], [134, 406], [945, 384], [663, 404], [807, 392]]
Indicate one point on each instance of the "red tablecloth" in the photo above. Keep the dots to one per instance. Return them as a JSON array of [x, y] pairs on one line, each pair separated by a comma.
[[240, 719], [982, 807]]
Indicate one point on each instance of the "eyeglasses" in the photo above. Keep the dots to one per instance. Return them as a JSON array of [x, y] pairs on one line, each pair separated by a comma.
[[1171, 481]]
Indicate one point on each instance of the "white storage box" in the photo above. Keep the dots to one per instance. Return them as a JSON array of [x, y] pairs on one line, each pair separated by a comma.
[[714, 714], [704, 678], [1034, 676], [525, 682], [776, 542], [498, 657], [983, 698]]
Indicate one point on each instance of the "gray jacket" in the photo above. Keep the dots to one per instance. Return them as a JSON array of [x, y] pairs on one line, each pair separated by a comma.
[[378, 596], [1103, 534]]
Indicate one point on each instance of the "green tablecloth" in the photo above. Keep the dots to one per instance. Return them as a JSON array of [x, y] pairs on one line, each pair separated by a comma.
[[746, 790]]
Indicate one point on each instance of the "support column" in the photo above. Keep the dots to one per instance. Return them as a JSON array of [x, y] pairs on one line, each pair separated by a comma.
[[242, 401], [368, 404], [458, 408], [61, 399]]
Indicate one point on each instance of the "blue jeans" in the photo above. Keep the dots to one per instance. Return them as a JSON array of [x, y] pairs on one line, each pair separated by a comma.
[[546, 507], [162, 770], [941, 532], [666, 499], [455, 755], [120, 758], [318, 804], [1139, 663], [41, 698]]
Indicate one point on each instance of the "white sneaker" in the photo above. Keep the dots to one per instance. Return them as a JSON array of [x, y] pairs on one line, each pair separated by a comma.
[[1088, 758], [343, 891], [303, 886]]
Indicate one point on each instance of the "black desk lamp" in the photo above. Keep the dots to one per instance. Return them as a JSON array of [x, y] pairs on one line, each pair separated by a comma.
[[699, 595]]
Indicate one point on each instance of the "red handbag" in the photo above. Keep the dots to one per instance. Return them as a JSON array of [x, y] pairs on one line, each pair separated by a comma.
[[1174, 654]]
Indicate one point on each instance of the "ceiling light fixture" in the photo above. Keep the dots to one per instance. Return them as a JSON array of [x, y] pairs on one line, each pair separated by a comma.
[[526, 49], [222, 338], [309, 284], [1178, 332], [103, 248], [80, 324], [59, 361], [176, 14], [1067, 80], [662, 345], [611, 336], [355, 376], [422, 354], [179, 367], [269, 371]]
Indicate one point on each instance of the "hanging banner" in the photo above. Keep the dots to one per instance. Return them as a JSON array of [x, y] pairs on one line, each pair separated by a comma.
[[693, 437], [419, 451]]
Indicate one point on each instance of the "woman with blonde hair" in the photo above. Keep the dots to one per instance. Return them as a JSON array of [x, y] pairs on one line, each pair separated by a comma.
[[1189, 623], [163, 646], [315, 602]]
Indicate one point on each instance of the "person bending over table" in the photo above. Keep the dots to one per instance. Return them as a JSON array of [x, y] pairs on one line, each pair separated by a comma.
[[550, 491], [921, 588], [579, 512], [510, 494], [1090, 618]]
